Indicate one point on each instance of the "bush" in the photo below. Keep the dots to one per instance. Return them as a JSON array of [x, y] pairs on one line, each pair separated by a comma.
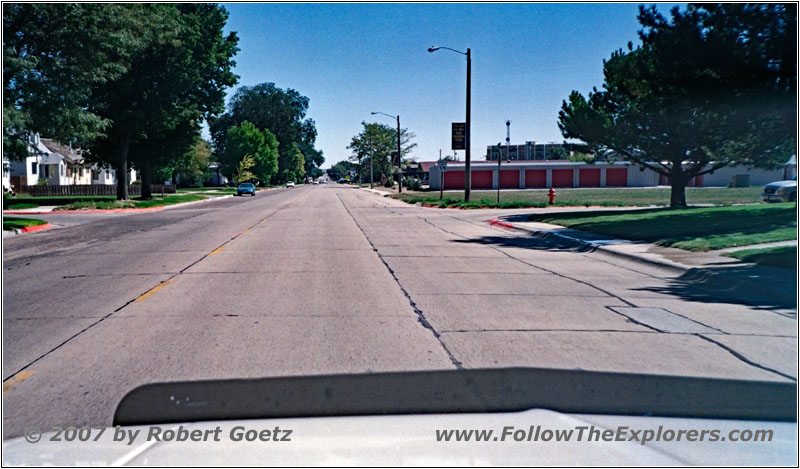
[[388, 183], [412, 183]]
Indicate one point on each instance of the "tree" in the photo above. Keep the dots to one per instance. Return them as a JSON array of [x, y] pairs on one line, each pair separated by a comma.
[[713, 87], [243, 170], [280, 111], [177, 76], [190, 167], [246, 139], [297, 166], [379, 140], [54, 55]]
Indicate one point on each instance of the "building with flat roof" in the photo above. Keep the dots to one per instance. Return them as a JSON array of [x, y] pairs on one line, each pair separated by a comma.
[[527, 152], [566, 174]]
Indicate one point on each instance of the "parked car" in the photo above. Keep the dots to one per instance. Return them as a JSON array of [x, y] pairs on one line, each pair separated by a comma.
[[780, 191], [290, 184], [246, 188], [309, 180], [342, 181], [323, 181]]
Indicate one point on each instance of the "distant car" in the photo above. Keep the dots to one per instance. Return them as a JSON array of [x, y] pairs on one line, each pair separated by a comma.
[[309, 180], [315, 182], [290, 184], [780, 191], [246, 188], [323, 181], [342, 181]]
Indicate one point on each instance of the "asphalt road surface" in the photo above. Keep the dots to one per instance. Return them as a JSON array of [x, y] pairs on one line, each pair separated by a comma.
[[331, 279]]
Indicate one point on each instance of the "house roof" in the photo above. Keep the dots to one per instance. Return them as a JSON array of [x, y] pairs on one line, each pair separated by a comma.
[[71, 156], [426, 165]]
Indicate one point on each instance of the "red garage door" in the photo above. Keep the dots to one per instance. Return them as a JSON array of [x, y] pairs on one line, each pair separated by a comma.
[[536, 178], [481, 179], [454, 179], [589, 177], [563, 178], [617, 177], [509, 179]]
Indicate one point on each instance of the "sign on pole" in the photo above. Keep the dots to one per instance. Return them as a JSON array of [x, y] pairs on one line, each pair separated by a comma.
[[459, 136]]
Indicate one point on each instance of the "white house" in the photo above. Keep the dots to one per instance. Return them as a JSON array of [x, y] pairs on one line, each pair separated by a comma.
[[56, 164]]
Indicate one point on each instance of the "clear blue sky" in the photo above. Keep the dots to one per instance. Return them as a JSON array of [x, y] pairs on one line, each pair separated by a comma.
[[351, 59]]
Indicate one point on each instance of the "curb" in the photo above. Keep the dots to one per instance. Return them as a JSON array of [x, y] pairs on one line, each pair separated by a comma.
[[589, 246], [708, 276], [31, 229], [64, 212]]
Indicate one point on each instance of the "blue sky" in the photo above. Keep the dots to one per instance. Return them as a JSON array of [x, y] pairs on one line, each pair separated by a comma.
[[351, 59]]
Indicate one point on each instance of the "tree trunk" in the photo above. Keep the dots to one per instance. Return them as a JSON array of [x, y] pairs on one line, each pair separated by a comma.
[[678, 182], [147, 186], [122, 167]]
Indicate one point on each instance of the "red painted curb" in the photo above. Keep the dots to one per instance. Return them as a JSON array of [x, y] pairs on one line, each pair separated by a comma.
[[62, 212], [29, 229], [495, 222]]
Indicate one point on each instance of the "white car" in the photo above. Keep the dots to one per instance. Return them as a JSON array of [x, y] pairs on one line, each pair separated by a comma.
[[780, 191], [290, 184]]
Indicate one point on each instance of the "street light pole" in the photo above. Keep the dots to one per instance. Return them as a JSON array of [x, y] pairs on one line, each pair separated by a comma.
[[399, 154], [371, 154], [399, 159], [467, 164]]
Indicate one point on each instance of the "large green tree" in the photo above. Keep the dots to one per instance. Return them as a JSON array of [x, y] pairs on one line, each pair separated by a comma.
[[712, 87], [247, 140], [379, 141], [178, 76], [280, 111], [54, 55]]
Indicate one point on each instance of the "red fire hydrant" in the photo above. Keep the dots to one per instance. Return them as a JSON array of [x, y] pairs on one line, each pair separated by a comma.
[[552, 195]]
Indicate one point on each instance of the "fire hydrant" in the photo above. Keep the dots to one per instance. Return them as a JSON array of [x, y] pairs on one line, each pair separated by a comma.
[[552, 195]]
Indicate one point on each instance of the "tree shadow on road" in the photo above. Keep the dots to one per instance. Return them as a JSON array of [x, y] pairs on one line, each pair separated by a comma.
[[740, 283], [748, 284]]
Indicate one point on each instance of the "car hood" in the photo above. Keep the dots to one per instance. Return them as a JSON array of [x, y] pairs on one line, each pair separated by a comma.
[[411, 440], [779, 184]]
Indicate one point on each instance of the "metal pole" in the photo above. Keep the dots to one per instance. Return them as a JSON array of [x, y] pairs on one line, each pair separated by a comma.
[[441, 177], [371, 154], [467, 166], [399, 158], [499, 158]]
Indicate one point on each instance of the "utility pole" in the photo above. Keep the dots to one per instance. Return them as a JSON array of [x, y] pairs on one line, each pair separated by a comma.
[[399, 159], [371, 155], [467, 165], [500, 155]]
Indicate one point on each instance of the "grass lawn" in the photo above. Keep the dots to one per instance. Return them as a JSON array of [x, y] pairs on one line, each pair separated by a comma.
[[693, 229], [20, 202], [13, 223], [783, 256], [608, 197], [110, 203]]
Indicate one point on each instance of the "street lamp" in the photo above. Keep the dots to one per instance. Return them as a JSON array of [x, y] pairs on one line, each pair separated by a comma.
[[399, 155], [467, 166]]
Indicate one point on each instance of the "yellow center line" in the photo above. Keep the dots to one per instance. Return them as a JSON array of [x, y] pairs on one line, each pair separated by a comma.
[[16, 379], [216, 250], [245, 231], [153, 290]]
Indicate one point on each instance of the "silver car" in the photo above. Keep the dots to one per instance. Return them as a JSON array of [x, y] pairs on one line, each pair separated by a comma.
[[780, 191]]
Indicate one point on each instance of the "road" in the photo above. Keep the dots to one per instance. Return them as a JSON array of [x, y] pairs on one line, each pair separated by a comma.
[[332, 279]]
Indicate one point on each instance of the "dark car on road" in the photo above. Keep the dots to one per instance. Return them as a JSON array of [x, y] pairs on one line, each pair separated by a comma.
[[246, 188]]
